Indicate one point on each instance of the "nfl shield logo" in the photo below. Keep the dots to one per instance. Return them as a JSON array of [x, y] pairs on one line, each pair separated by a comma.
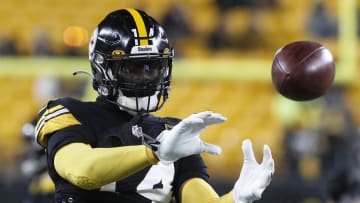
[[136, 131]]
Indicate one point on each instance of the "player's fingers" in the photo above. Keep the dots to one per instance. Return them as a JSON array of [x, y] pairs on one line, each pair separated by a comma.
[[210, 148], [188, 123], [197, 119], [197, 122], [248, 151], [201, 115], [267, 154], [209, 117], [214, 118], [268, 161]]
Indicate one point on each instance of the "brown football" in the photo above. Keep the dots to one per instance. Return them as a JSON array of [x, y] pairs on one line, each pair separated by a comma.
[[303, 70]]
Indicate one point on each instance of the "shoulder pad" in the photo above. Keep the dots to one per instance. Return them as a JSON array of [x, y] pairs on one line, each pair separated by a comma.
[[53, 117]]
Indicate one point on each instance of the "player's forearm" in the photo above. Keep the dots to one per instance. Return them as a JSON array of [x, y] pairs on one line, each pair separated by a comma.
[[197, 190], [91, 168]]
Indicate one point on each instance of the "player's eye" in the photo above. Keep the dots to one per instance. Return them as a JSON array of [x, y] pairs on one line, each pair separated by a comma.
[[140, 70]]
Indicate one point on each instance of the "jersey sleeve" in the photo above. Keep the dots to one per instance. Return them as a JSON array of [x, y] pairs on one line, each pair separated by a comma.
[[58, 125], [55, 116], [187, 168]]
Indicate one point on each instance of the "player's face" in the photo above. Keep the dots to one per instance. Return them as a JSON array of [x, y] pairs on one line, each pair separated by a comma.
[[139, 70]]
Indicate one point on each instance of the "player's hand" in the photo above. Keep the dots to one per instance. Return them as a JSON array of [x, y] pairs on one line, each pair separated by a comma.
[[254, 177], [184, 139]]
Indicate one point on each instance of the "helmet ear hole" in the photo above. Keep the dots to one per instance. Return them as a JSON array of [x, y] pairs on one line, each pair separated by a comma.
[[99, 59], [103, 90], [95, 84]]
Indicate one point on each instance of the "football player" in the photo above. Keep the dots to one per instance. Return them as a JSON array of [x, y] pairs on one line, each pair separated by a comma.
[[114, 150]]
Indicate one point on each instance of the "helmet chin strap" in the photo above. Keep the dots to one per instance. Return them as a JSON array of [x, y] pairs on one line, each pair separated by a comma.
[[138, 104]]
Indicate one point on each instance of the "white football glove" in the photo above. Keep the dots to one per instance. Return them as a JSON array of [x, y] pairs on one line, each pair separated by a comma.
[[184, 138], [254, 177]]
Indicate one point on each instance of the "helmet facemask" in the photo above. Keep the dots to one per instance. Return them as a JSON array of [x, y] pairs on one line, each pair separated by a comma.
[[140, 77], [136, 83], [142, 83]]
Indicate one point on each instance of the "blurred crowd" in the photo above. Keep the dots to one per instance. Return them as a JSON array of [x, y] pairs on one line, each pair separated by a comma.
[[235, 26], [321, 158], [321, 153]]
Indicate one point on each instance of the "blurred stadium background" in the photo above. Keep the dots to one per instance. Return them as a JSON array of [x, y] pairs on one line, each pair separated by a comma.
[[224, 51]]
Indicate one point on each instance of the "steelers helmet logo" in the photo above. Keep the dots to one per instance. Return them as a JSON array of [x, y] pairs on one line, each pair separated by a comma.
[[117, 54]]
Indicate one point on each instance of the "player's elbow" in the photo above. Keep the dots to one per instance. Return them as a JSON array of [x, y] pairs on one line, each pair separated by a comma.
[[82, 176], [76, 168]]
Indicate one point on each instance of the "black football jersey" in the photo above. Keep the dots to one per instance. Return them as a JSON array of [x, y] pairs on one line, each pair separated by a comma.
[[103, 124]]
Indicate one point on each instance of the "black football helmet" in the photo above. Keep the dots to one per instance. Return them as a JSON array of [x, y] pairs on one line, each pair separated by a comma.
[[131, 60]]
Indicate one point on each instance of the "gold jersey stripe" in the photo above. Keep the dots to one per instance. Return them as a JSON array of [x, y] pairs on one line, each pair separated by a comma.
[[55, 124], [48, 114], [52, 121], [48, 111], [140, 26]]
